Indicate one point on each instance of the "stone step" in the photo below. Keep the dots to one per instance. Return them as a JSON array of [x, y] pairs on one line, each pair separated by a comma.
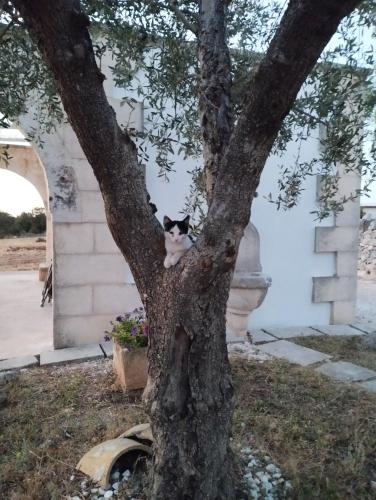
[[18, 363], [368, 386], [365, 327], [338, 330], [293, 353], [261, 337], [71, 355], [346, 372], [294, 331]]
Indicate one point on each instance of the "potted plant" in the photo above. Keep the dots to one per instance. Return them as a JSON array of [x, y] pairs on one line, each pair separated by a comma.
[[130, 339]]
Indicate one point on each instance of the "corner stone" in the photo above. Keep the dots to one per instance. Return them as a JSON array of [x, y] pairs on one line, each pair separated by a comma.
[[71, 355]]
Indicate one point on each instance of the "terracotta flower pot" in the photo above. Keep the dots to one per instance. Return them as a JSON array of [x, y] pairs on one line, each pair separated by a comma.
[[130, 367]]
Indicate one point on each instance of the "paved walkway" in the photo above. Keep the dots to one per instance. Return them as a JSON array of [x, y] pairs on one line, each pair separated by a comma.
[[25, 327], [272, 341]]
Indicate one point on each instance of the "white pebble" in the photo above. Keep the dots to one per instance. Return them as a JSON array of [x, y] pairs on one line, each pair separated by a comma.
[[247, 451], [108, 494], [71, 478], [115, 475], [116, 485], [94, 490], [271, 468], [126, 475], [75, 498], [101, 491]]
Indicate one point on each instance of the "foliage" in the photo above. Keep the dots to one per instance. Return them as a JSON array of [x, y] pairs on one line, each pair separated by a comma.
[[130, 330], [155, 61], [7, 225], [33, 222]]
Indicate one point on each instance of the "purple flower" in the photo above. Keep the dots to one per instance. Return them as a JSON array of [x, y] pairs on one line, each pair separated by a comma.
[[134, 330]]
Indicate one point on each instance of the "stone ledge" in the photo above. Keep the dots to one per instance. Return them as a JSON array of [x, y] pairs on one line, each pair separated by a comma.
[[71, 355], [18, 363]]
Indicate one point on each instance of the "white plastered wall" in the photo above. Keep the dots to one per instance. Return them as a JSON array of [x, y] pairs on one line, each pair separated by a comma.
[[92, 282]]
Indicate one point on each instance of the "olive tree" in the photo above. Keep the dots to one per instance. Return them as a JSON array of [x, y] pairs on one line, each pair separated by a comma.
[[233, 70]]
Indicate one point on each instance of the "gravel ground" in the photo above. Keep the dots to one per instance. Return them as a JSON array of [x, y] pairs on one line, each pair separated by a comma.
[[366, 302]]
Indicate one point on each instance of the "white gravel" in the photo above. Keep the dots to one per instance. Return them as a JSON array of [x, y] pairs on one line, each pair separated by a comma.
[[247, 351], [262, 479]]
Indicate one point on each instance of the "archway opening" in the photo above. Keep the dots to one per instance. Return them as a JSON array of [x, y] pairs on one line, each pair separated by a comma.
[[26, 328]]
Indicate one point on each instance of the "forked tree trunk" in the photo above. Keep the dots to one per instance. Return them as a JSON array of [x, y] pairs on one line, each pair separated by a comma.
[[189, 394]]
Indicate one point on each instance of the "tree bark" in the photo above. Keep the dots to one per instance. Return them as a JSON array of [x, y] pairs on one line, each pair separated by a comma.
[[189, 393], [215, 88]]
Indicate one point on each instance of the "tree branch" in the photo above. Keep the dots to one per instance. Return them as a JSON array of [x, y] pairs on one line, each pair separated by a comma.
[[215, 86], [304, 31], [182, 17], [60, 30]]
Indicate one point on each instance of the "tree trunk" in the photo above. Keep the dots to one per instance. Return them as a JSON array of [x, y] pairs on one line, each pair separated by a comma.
[[189, 392], [189, 395]]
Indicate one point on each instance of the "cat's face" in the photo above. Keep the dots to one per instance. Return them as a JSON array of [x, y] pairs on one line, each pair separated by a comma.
[[176, 230]]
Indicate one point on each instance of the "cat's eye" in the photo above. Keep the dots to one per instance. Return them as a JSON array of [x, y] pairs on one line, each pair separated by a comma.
[[180, 232], [171, 233]]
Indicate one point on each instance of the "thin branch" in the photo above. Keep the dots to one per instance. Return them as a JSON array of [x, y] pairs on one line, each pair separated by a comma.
[[182, 17]]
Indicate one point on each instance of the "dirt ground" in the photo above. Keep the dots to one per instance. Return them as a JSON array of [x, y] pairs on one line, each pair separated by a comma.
[[22, 254]]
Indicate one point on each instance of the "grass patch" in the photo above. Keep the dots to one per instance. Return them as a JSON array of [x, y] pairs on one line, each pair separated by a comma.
[[322, 435], [342, 348], [52, 417]]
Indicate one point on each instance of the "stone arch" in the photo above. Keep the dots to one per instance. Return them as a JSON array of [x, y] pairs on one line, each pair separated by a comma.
[[24, 161]]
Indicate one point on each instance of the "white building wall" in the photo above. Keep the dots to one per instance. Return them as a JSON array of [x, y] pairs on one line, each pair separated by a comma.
[[92, 282]]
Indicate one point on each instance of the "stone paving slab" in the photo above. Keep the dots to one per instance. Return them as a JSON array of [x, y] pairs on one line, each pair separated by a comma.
[[294, 353], [107, 348], [7, 376], [71, 354], [294, 331], [18, 363], [368, 386], [345, 371], [365, 327], [261, 337], [338, 330]]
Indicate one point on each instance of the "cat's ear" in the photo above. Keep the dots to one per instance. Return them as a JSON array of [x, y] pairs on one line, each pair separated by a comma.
[[166, 220], [186, 220]]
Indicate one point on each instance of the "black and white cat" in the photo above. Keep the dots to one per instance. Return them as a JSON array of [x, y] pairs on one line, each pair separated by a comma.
[[177, 240]]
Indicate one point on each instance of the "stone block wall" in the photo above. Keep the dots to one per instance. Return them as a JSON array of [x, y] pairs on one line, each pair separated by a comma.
[[342, 239]]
